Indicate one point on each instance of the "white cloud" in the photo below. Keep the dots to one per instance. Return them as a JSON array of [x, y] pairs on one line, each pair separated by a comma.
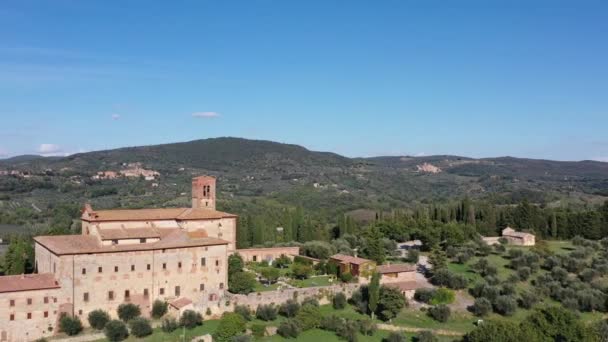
[[50, 150], [115, 117], [420, 154], [602, 159], [205, 115]]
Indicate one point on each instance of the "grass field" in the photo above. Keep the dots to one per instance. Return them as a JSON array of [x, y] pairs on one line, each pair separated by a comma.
[[313, 281]]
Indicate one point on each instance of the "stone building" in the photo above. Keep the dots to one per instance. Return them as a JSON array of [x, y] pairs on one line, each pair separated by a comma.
[[358, 267], [513, 237], [401, 276], [179, 255]]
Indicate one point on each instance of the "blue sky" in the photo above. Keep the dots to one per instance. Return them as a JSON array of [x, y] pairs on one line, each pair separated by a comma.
[[360, 78]]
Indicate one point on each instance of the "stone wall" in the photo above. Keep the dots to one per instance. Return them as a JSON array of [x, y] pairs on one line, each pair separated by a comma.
[[268, 254], [322, 293], [29, 321]]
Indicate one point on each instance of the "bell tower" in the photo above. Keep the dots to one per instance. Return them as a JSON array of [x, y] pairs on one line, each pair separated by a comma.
[[203, 192]]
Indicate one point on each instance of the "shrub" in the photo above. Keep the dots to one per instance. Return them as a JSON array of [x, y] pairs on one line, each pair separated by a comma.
[[258, 330], [505, 305], [395, 336], [231, 325], [290, 308], [442, 296], [481, 307], [527, 299], [310, 301], [348, 330], [266, 312], [190, 319], [270, 274], [289, 328], [346, 277], [282, 262], [301, 271], [98, 319], [116, 330], [440, 313], [140, 327], [71, 325], [331, 322], [159, 308], [169, 324], [244, 311], [390, 303], [507, 289], [241, 338], [367, 327], [309, 317], [241, 282], [424, 295], [339, 301], [127, 312], [412, 256], [524, 273], [425, 336]]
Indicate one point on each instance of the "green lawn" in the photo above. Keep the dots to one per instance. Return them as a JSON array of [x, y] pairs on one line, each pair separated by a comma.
[[460, 322], [259, 287], [313, 281], [208, 327]]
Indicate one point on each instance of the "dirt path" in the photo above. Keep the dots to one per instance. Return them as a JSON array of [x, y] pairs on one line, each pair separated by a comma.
[[390, 327]]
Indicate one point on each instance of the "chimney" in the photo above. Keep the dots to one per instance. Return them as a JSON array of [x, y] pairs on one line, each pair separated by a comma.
[[203, 192]]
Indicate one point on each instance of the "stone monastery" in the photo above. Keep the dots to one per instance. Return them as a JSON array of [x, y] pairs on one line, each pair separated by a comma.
[[179, 255]]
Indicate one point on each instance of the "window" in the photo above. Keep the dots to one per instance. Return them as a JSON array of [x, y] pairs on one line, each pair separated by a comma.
[[148, 267], [80, 312], [132, 268], [29, 301], [115, 242], [164, 265], [110, 295], [12, 302], [221, 286], [217, 262], [85, 297], [177, 291], [203, 262], [201, 287], [46, 300], [127, 294], [12, 317], [179, 264], [142, 240], [115, 268], [29, 315], [146, 293], [99, 269], [54, 268], [255, 258], [161, 291], [84, 271], [46, 314]]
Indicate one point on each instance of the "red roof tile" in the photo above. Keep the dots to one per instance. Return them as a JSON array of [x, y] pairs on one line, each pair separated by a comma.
[[153, 214], [28, 282], [180, 303], [396, 268], [83, 244], [350, 259]]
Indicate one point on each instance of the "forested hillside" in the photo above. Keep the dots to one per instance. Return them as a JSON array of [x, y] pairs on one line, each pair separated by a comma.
[[271, 184]]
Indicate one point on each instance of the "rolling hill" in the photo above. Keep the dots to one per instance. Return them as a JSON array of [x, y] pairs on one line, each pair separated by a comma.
[[251, 170]]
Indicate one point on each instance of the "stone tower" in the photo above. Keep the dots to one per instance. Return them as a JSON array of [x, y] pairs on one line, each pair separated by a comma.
[[203, 192]]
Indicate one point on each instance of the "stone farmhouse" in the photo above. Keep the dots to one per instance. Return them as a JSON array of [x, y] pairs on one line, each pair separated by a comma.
[[513, 238], [179, 255]]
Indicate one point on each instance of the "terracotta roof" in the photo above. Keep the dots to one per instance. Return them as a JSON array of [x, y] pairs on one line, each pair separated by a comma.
[[518, 234], [83, 244], [128, 233], [180, 303], [396, 268], [202, 214], [28, 282], [153, 214], [349, 259], [404, 285]]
